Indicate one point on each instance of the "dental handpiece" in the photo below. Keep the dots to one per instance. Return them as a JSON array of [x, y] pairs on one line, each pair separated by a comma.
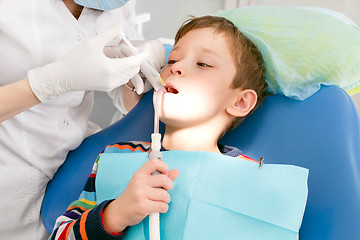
[[155, 79]]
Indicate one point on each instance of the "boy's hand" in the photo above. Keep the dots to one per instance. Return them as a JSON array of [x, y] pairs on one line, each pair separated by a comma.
[[145, 194]]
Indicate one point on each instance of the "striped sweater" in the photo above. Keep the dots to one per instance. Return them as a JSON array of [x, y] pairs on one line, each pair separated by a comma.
[[82, 219]]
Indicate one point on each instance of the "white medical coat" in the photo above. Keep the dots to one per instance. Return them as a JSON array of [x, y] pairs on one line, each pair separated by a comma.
[[34, 143]]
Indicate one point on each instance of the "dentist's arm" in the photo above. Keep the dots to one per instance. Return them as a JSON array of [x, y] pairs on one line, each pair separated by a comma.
[[15, 98]]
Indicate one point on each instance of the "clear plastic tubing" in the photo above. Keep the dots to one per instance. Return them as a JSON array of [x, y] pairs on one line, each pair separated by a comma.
[[157, 108]]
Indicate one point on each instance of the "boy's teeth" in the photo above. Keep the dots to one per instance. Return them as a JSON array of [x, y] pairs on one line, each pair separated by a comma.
[[171, 90]]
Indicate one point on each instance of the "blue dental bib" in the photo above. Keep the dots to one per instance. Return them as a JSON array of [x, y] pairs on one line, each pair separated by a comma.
[[215, 196]]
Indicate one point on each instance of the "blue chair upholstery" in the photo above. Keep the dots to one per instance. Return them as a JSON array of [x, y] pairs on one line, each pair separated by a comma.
[[321, 134]]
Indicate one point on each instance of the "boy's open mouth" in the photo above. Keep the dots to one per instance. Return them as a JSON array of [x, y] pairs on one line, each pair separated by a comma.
[[170, 89]]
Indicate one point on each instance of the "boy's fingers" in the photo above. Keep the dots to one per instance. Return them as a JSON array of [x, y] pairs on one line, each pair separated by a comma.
[[159, 194], [161, 181], [173, 174], [155, 165], [158, 206]]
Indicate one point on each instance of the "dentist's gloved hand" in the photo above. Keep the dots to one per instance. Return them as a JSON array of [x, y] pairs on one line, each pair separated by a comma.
[[156, 60], [85, 68]]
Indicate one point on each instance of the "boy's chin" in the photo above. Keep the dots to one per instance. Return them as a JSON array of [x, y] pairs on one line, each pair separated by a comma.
[[170, 123]]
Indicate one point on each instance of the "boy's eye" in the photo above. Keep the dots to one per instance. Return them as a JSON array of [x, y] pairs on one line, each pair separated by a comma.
[[171, 61], [201, 64]]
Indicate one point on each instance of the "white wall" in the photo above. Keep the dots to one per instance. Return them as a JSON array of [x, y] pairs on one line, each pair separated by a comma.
[[168, 15]]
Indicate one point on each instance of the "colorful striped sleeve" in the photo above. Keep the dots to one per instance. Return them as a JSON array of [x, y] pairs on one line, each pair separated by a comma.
[[244, 157], [82, 219]]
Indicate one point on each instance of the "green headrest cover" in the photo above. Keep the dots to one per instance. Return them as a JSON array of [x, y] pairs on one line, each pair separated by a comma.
[[302, 47]]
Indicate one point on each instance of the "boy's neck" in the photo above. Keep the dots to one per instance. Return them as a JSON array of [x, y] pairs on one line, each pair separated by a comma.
[[190, 139]]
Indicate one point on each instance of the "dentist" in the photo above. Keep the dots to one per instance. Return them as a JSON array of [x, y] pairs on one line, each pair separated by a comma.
[[57, 48]]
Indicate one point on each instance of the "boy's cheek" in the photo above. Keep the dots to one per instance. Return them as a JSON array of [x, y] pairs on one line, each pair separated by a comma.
[[165, 73]]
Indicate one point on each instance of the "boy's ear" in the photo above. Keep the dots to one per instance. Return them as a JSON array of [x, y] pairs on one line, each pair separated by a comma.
[[244, 102]]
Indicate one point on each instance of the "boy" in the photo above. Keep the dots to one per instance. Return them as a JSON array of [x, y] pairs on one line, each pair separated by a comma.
[[214, 79]]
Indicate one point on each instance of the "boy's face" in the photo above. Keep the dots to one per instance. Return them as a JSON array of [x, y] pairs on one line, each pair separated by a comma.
[[198, 79]]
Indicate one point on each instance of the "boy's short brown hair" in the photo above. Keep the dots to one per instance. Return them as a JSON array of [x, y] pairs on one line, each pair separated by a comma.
[[250, 71]]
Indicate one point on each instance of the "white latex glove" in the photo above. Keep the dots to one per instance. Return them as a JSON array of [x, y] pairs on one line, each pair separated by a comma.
[[85, 68], [156, 59]]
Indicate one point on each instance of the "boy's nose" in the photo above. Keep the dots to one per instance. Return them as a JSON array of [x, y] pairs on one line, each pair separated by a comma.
[[177, 69]]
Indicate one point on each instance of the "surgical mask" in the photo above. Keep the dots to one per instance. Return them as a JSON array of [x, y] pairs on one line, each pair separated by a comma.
[[102, 4]]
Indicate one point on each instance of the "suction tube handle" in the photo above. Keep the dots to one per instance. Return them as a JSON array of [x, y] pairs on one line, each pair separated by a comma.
[[154, 218], [155, 148]]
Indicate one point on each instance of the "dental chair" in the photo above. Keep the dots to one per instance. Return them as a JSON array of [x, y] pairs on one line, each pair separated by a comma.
[[321, 133]]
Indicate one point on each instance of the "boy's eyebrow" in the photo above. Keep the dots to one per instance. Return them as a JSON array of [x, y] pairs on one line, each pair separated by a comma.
[[207, 50]]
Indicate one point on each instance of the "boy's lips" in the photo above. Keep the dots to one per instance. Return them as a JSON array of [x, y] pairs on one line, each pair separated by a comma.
[[169, 88]]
